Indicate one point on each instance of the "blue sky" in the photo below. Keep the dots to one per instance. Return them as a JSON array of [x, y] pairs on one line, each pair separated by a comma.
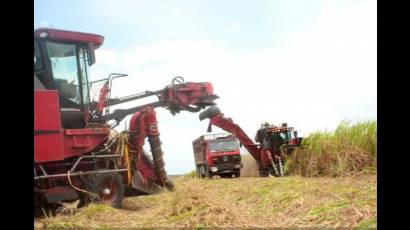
[[308, 63], [236, 24]]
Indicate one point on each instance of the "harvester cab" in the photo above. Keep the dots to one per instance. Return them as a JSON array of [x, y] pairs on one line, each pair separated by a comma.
[[61, 62]]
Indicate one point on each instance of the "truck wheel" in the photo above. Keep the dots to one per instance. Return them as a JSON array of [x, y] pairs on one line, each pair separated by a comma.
[[207, 174], [110, 189], [237, 174], [202, 171]]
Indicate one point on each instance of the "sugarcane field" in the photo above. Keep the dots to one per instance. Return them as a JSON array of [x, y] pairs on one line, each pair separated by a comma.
[[205, 114]]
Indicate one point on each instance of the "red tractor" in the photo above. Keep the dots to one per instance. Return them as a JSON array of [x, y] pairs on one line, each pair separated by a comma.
[[275, 142], [77, 153]]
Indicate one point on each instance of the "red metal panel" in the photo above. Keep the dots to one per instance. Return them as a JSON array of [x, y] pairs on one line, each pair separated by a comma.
[[188, 93], [89, 131], [48, 147], [46, 110], [80, 141], [65, 35], [51, 142], [48, 139]]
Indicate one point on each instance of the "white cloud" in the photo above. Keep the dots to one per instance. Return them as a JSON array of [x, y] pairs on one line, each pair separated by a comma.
[[322, 76]]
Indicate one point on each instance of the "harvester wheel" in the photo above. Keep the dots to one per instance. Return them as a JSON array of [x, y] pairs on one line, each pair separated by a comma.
[[110, 189]]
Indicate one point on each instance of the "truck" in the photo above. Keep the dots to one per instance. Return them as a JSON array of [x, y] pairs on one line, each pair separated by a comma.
[[274, 143], [217, 154]]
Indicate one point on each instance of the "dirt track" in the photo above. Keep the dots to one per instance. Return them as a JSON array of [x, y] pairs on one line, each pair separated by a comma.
[[241, 202]]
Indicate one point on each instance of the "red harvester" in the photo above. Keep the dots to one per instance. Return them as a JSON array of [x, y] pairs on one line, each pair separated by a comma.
[[75, 154]]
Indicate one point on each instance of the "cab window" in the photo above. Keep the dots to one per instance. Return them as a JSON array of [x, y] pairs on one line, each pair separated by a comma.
[[63, 63], [38, 65], [83, 73]]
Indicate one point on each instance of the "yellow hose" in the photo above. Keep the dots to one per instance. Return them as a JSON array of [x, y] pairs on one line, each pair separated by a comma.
[[127, 161], [122, 147]]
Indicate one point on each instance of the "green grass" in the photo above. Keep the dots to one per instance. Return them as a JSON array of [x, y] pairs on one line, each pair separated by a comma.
[[351, 148], [182, 216], [328, 208], [191, 174], [91, 212], [371, 223]]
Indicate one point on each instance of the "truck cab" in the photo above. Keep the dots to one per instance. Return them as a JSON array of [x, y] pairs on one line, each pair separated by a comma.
[[217, 154]]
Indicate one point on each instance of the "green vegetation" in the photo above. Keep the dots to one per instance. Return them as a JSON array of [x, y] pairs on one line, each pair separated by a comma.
[[350, 149], [191, 174]]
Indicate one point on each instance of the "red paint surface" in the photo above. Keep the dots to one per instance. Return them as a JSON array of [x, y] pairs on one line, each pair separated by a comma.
[[65, 35]]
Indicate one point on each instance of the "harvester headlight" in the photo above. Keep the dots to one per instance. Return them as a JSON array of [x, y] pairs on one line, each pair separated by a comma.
[[214, 169]]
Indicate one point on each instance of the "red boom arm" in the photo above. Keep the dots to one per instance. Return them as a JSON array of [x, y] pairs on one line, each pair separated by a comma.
[[188, 96], [228, 125]]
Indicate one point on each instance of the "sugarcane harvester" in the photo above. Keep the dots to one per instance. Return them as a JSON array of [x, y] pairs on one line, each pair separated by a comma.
[[274, 142], [77, 153]]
